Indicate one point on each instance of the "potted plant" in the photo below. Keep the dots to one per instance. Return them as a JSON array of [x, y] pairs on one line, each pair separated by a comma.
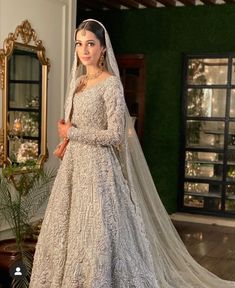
[[24, 188]]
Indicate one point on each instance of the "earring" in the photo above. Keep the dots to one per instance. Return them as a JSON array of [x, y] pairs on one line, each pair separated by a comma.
[[101, 61]]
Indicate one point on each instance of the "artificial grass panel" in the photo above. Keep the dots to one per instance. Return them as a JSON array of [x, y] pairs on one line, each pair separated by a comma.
[[163, 34]]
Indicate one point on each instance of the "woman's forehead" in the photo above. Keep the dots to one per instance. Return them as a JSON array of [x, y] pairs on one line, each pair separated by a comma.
[[85, 35]]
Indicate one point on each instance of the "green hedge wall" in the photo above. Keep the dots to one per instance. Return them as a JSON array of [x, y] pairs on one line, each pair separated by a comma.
[[163, 34]]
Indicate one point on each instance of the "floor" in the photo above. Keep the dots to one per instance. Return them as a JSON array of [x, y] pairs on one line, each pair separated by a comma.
[[213, 246]]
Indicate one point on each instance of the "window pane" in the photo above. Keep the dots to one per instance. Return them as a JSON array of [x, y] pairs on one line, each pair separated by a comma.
[[208, 71], [212, 203], [230, 191], [230, 198], [208, 203], [204, 170], [193, 201], [196, 188], [205, 134], [233, 72], [230, 205], [204, 157], [231, 136], [232, 103], [206, 102], [231, 173], [231, 157], [231, 165]]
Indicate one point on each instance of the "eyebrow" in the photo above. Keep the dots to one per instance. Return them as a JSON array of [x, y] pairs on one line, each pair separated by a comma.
[[85, 41]]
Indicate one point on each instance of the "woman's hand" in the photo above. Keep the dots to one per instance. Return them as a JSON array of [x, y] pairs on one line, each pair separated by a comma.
[[63, 128]]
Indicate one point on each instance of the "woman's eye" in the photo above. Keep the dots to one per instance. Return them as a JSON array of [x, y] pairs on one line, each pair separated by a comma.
[[91, 44], [77, 43]]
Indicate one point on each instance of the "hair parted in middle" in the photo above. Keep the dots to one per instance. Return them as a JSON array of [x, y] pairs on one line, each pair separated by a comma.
[[93, 27]]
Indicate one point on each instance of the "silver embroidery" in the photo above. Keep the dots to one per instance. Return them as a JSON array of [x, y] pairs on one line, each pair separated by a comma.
[[91, 235]]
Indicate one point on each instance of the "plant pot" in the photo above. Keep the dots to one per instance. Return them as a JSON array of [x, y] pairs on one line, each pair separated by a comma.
[[8, 255]]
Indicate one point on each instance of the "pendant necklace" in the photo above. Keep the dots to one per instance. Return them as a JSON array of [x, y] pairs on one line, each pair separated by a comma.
[[88, 77]]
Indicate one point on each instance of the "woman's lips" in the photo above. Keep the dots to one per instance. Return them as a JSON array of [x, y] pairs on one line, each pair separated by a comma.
[[85, 58]]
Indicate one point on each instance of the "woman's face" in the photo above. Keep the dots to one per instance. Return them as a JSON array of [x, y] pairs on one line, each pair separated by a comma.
[[88, 48]]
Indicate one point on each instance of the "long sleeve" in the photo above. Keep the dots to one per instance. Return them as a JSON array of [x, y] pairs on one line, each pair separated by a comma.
[[115, 109]]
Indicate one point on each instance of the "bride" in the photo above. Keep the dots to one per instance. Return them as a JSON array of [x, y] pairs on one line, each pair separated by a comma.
[[105, 225]]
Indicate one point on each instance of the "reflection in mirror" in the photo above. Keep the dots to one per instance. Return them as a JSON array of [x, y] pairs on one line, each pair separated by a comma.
[[23, 105], [24, 79], [24, 70]]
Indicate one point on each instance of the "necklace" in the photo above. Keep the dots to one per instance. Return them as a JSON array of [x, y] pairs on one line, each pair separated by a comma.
[[88, 77]]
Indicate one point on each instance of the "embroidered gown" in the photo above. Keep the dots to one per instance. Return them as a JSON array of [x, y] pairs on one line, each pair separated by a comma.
[[91, 236]]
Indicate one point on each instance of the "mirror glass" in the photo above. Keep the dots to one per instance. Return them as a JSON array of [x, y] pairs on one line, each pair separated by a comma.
[[24, 85], [24, 90]]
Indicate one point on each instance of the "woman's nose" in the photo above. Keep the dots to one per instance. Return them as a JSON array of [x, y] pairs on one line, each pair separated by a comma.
[[85, 50]]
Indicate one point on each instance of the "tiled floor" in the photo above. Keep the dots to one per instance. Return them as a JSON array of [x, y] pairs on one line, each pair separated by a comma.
[[212, 246]]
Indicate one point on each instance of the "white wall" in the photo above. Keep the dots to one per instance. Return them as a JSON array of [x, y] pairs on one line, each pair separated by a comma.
[[54, 22]]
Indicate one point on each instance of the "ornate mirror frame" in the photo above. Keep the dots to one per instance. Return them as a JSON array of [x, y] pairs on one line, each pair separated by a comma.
[[23, 39]]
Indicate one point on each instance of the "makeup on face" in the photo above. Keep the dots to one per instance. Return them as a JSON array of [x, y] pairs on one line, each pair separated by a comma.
[[88, 47]]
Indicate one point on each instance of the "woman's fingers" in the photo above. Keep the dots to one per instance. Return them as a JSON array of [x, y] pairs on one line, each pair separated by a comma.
[[63, 128]]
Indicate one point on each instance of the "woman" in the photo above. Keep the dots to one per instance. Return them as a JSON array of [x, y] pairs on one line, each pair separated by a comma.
[[105, 225]]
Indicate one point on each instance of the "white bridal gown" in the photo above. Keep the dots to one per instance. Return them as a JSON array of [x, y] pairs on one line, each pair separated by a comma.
[[91, 235]]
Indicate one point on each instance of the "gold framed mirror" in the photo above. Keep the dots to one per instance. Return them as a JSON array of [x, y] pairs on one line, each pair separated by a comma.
[[23, 78]]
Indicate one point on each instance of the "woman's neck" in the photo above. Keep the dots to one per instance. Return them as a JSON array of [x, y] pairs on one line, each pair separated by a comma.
[[91, 70]]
